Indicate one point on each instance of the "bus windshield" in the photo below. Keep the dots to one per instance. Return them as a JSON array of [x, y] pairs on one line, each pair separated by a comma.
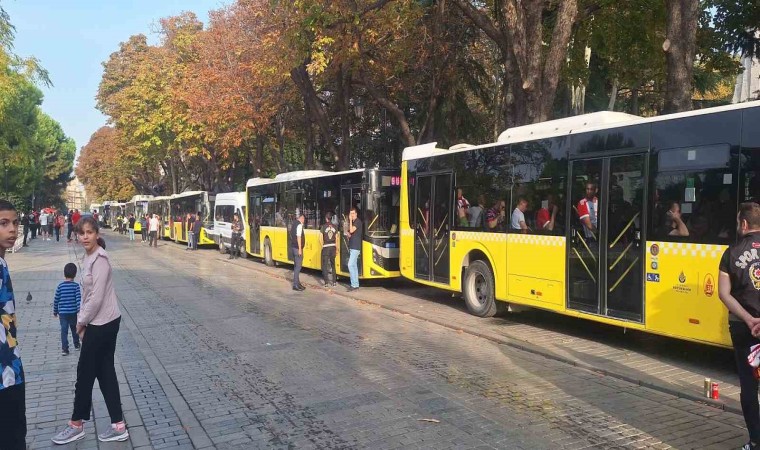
[[383, 207]]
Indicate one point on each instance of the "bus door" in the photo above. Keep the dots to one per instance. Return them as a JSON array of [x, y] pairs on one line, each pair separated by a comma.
[[254, 224], [350, 197], [433, 214], [605, 251]]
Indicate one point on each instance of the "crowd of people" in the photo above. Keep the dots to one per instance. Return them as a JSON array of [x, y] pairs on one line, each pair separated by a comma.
[[49, 223]]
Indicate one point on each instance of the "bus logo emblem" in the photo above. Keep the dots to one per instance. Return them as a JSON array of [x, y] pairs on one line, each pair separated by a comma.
[[709, 285], [682, 278], [654, 249]]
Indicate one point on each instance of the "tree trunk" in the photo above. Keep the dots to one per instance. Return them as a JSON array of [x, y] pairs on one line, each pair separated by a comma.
[[344, 112], [302, 80], [613, 95], [680, 50], [309, 151]]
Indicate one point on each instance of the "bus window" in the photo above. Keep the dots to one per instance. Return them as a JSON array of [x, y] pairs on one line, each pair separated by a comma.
[[694, 196], [383, 206]]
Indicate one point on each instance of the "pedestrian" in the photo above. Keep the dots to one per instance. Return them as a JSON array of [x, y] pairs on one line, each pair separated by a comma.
[[69, 225], [236, 236], [98, 327], [327, 235], [189, 228], [12, 395], [297, 244], [44, 226], [25, 224], [144, 227], [197, 228], [131, 227], [354, 247], [59, 223], [51, 223], [66, 304], [738, 290], [33, 222], [153, 227], [74, 221]]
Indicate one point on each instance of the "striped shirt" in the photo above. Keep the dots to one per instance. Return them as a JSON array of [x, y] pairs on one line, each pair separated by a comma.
[[68, 297]]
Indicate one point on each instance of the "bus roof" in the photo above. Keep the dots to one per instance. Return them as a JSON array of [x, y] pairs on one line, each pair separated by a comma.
[[297, 175], [187, 193], [138, 198], [161, 197], [567, 126]]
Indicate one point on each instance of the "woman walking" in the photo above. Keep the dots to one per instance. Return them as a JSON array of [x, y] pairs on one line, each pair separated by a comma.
[[98, 326]]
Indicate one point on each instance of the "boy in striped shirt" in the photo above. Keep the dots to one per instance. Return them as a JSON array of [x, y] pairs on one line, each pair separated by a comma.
[[68, 297]]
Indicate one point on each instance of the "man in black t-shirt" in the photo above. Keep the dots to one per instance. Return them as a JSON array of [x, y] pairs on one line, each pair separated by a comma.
[[739, 290], [354, 247], [297, 243], [327, 238]]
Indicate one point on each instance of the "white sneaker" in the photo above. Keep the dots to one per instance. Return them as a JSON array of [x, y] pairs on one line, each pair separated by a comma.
[[69, 434]]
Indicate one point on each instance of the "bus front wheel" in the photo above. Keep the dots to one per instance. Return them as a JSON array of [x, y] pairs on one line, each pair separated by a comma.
[[478, 289], [268, 259]]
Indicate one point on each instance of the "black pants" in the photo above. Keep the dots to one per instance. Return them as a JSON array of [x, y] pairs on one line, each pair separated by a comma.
[[13, 417], [328, 263], [34, 230], [69, 230], [297, 264], [742, 338], [57, 234], [235, 244], [26, 232], [96, 362]]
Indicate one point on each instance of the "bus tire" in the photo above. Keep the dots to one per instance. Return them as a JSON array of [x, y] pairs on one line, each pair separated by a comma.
[[478, 289], [268, 259], [222, 248]]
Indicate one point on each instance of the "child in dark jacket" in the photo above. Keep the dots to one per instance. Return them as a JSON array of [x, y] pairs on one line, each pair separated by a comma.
[[68, 297]]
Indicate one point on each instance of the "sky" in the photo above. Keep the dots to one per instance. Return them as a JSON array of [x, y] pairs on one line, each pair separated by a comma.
[[72, 38]]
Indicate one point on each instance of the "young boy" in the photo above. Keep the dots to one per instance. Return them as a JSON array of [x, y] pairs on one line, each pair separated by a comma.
[[12, 397], [68, 297]]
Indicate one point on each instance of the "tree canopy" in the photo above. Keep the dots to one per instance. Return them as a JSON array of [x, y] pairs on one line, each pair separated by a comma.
[[268, 86], [36, 155]]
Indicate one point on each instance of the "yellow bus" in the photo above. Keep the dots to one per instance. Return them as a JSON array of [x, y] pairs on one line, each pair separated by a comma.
[[192, 202], [138, 206], [160, 206], [272, 205], [607, 216]]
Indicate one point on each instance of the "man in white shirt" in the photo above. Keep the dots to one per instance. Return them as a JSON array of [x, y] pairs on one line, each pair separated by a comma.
[[518, 216], [44, 225], [153, 227]]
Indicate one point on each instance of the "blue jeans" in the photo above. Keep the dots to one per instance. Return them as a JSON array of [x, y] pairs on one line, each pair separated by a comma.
[[190, 239], [131, 234], [68, 322], [353, 268]]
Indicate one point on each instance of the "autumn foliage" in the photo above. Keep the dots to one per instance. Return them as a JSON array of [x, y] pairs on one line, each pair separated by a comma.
[[268, 86]]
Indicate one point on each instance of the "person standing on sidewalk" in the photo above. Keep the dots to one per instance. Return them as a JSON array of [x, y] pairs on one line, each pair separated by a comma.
[[12, 387], [235, 239], [131, 227], [739, 290], [69, 225], [66, 304], [297, 243], [25, 224], [354, 247], [59, 222], [197, 226], [144, 228], [153, 227], [98, 326], [327, 235], [190, 233]]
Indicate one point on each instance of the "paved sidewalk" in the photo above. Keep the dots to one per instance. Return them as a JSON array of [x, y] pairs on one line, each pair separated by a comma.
[[666, 364], [214, 355]]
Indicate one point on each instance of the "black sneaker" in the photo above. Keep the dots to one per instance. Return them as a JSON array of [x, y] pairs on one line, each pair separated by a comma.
[[334, 284], [77, 347], [352, 289], [64, 353]]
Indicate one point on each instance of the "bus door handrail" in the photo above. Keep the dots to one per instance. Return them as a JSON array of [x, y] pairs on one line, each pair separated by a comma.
[[624, 274], [580, 258], [630, 222]]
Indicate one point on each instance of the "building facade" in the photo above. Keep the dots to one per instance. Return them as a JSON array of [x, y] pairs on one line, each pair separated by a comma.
[[76, 196]]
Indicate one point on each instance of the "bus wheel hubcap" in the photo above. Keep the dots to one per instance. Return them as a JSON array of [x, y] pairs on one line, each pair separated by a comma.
[[481, 289]]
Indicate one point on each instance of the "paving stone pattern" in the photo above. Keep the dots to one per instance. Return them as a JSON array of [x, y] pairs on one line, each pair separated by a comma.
[[219, 354]]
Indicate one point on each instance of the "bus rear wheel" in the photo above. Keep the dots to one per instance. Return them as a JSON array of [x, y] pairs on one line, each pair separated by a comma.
[[479, 290], [268, 259]]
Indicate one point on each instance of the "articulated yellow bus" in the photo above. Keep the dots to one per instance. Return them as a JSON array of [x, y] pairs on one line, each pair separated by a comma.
[[160, 206], [193, 202], [272, 205], [139, 207], [607, 216]]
